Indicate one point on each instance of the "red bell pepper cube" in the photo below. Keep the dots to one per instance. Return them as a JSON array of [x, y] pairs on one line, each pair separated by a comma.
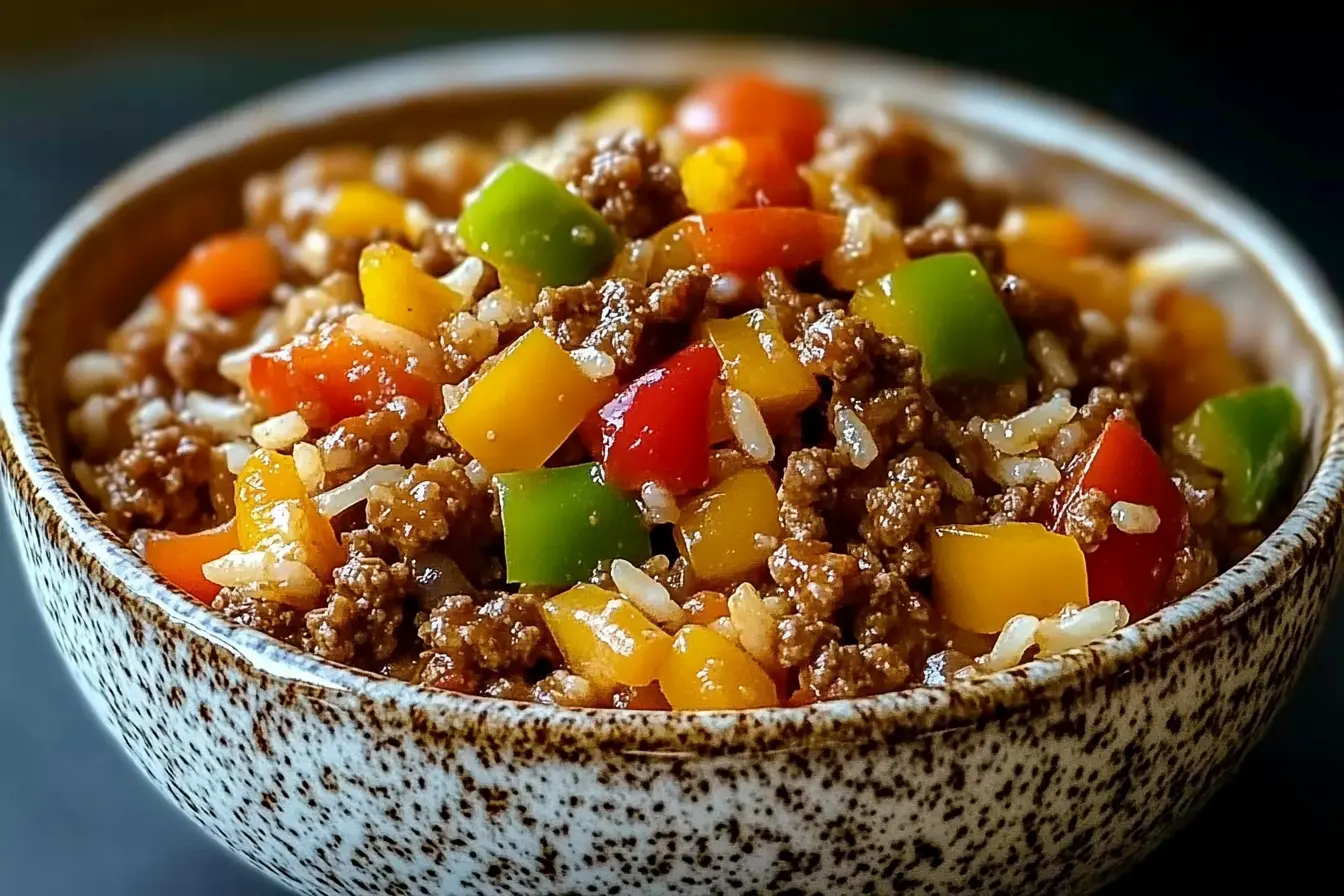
[[747, 241], [771, 176], [333, 374], [752, 105], [657, 428], [1132, 569]]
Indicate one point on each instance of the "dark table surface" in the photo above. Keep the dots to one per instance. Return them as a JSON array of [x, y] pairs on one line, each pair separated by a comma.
[[75, 817]]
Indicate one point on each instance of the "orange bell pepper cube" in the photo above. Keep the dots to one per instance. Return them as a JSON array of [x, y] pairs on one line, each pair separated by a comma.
[[1093, 282], [704, 607], [727, 531], [230, 272], [758, 360], [604, 638], [1048, 227], [704, 670], [276, 514], [360, 209], [397, 291], [525, 406], [983, 576], [333, 374], [753, 105], [746, 241], [1196, 362], [179, 558]]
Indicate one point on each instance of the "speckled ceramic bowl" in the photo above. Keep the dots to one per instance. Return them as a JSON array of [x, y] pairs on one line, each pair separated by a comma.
[[1049, 778]]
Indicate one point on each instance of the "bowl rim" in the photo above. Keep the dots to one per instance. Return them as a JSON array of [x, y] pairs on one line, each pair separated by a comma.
[[977, 102]]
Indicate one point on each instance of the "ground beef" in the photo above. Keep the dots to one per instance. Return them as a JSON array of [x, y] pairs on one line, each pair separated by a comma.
[[1034, 308], [278, 620], [613, 315], [467, 342], [816, 581], [429, 504], [471, 639], [902, 161], [877, 377], [981, 241], [845, 671], [375, 437], [624, 177], [1088, 518], [808, 490], [1104, 403], [1021, 503], [162, 481], [794, 309], [900, 509], [191, 353], [361, 621], [1196, 565], [799, 637]]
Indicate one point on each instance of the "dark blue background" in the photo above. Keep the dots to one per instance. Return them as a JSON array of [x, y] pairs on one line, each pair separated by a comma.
[[1239, 95]]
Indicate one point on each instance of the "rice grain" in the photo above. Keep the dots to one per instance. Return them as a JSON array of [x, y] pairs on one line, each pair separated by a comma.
[[280, 432], [647, 594]]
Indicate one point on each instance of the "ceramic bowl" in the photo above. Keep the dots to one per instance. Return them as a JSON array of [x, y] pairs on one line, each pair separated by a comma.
[[1051, 777]]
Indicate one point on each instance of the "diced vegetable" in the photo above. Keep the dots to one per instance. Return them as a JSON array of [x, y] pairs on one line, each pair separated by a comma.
[[637, 109], [657, 428], [1132, 569], [397, 291], [560, 523], [360, 210], [730, 529], [720, 429], [277, 515], [647, 697], [758, 360], [945, 306], [525, 406], [179, 558], [746, 241], [732, 172], [704, 607], [230, 272], [751, 105], [604, 638], [985, 575], [521, 219], [1253, 437], [1196, 362], [1093, 282], [1050, 228], [771, 175], [332, 374], [704, 670], [871, 247], [1194, 324]]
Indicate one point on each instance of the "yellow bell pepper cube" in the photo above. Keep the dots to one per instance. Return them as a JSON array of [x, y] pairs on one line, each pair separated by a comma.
[[276, 514], [727, 531], [758, 360], [711, 177], [604, 638], [360, 209], [704, 670], [1049, 227], [638, 109], [1093, 282], [525, 406], [397, 291], [985, 575]]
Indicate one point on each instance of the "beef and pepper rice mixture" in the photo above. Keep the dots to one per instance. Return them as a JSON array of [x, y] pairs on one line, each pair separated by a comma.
[[732, 403]]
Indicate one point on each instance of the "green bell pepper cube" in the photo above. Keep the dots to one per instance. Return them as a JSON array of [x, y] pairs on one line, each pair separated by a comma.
[[945, 306], [522, 220], [1253, 438], [561, 522]]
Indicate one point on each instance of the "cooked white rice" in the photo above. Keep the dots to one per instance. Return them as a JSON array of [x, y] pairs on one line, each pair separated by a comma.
[[595, 363], [398, 340], [308, 464], [466, 277], [288, 581], [647, 594], [957, 484], [1074, 628], [854, 437], [226, 416], [236, 454], [1011, 471], [1052, 357], [92, 372], [281, 431], [1031, 428], [1135, 519], [748, 425], [754, 623], [150, 416], [949, 213], [658, 504], [343, 497]]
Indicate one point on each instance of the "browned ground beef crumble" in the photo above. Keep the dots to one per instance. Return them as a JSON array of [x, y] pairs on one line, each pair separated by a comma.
[[849, 577]]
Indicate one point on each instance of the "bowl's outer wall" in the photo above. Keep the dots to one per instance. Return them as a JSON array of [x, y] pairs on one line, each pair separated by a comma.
[[356, 790]]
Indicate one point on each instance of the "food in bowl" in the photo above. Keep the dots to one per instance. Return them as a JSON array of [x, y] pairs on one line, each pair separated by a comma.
[[738, 403]]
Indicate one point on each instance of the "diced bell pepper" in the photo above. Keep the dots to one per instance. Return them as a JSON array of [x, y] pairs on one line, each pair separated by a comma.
[[758, 360], [870, 247], [229, 273], [657, 428], [1132, 569], [945, 306], [704, 607], [524, 407], [1196, 361], [561, 522], [625, 109], [179, 558], [1093, 282], [1048, 227], [706, 671], [711, 176], [1253, 438], [747, 241], [752, 105], [604, 638], [332, 374], [985, 575], [728, 530], [276, 514], [396, 290], [359, 210], [520, 219]]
